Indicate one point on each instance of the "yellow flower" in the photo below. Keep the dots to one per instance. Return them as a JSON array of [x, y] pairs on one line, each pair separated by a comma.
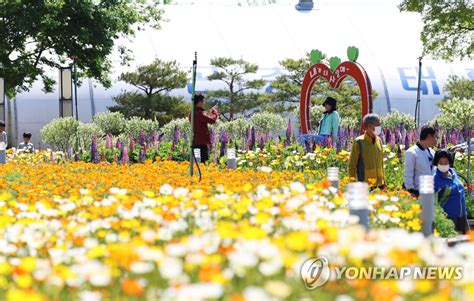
[[28, 264], [297, 241], [19, 295], [24, 281], [262, 217]]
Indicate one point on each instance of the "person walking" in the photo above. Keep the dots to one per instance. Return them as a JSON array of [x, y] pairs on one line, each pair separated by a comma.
[[3, 143], [366, 158], [450, 191], [419, 160]]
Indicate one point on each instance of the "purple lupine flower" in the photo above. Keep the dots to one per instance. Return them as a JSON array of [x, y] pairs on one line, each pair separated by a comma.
[[145, 150], [141, 156], [132, 143], [76, 158], [288, 133], [399, 151], [267, 137], [118, 144], [388, 135], [252, 138], [141, 138], [94, 154], [261, 142], [108, 141], [124, 155], [407, 142], [392, 141], [175, 135], [223, 140], [403, 134], [212, 137], [396, 134], [249, 137], [115, 158], [351, 133]]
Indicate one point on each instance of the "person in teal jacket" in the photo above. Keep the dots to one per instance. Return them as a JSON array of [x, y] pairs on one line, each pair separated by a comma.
[[450, 191], [329, 124]]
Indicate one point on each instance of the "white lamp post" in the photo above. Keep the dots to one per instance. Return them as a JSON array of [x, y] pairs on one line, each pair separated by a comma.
[[231, 158], [65, 92]]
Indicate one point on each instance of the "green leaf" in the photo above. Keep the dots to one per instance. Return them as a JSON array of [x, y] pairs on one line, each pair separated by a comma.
[[352, 53], [334, 62], [316, 56]]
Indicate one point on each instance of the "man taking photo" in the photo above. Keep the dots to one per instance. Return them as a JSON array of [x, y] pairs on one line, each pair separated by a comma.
[[202, 139]]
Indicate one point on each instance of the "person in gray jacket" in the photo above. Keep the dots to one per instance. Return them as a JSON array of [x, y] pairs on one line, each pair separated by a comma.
[[419, 160], [3, 143]]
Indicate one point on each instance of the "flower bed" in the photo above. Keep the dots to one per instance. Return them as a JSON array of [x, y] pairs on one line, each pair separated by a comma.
[[68, 232]]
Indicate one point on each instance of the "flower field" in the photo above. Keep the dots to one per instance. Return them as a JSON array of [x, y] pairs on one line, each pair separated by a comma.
[[83, 231]]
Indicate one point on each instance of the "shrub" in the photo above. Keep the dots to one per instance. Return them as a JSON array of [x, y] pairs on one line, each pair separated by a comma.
[[456, 113], [110, 123], [183, 124], [85, 131], [267, 122], [135, 125], [350, 122], [60, 132], [235, 128], [393, 120]]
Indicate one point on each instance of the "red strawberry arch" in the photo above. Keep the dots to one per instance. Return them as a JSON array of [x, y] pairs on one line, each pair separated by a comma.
[[335, 78]]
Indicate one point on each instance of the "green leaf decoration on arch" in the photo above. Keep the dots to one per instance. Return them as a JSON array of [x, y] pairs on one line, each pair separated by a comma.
[[334, 62], [316, 56], [352, 53]]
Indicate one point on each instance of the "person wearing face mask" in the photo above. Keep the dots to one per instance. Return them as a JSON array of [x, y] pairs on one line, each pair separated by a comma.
[[366, 159], [419, 160], [450, 191]]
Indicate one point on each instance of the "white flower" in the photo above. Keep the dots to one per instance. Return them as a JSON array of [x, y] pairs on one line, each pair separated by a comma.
[[297, 187], [171, 268], [141, 267], [175, 250], [84, 191], [166, 189], [266, 169], [115, 190], [390, 208], [195, 291], [269, 268], [278, 289], [180, 192], [252, 293], [395, 220], [383, 217], [148, 235], [90, 296]]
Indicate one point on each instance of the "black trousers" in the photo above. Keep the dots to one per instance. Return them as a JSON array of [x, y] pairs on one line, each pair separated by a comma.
[[460, 224], [204, 152]]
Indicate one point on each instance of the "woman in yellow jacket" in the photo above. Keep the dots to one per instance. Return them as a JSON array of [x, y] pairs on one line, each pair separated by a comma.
[[366, 160]]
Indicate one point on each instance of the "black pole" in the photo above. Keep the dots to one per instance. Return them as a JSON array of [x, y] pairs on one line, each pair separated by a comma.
[[191, 156], [75, 87], [418, 96]]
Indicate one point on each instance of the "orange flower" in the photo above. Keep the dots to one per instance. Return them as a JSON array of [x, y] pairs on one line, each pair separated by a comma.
[[132, 287]]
